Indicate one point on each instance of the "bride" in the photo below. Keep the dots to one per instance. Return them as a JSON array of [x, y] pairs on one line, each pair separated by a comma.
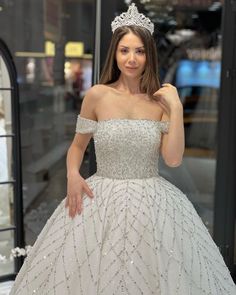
[[125, 229]]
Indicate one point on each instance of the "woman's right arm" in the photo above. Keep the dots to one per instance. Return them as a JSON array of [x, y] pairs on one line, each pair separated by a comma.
[[76, 184]]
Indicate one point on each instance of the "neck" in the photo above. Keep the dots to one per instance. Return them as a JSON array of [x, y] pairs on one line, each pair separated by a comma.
[[130, 86]]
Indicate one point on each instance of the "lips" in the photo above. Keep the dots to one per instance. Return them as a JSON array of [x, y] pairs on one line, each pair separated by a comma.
[[131, 68]]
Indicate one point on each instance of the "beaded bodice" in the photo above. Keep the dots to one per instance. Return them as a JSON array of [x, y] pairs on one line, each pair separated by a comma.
[[125, 148]]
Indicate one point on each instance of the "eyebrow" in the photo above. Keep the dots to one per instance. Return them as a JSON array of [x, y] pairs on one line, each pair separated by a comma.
[[128, 46]]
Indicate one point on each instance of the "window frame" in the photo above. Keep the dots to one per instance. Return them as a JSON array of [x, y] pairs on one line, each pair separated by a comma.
[[16, 180]]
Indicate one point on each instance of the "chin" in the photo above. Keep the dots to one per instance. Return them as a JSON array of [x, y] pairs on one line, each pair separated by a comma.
[[132, 75]]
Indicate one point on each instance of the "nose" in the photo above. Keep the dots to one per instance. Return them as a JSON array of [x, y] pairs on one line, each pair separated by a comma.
[[132, 58]]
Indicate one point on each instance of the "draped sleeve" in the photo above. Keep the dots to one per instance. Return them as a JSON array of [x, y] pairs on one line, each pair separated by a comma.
[[84, 125], [165, 126]]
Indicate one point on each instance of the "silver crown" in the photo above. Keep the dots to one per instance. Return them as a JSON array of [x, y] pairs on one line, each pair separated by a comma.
[[130, 18]]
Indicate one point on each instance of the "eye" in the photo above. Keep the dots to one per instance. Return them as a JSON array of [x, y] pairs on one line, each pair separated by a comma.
[[140, 51], [124, 50]]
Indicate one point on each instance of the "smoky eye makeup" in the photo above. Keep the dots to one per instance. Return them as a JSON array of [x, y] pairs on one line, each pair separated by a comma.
[[124, 50], [138, 50]]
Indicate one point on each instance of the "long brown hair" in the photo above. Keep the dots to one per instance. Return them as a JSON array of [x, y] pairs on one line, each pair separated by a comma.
[[149, 82]]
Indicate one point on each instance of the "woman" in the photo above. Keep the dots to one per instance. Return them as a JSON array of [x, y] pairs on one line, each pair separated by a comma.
[[125, 229]]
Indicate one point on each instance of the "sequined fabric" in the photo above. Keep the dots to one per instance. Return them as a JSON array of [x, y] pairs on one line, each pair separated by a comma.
[[129, 150], [139, 235], [84, 125]]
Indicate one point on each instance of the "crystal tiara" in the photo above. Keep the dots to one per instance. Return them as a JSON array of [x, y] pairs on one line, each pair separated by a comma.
[[132, 17]]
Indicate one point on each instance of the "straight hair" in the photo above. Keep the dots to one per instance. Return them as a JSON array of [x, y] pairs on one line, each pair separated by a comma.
[[149, 82]]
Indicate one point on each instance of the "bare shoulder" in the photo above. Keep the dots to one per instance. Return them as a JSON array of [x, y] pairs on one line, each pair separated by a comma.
[[98, 90], [91, 100]]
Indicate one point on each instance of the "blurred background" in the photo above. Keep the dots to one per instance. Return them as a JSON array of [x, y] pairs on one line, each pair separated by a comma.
[[52, 45]]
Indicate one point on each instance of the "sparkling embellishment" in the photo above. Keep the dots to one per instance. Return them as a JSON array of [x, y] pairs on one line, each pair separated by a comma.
[[84, 125], [129, 158], [132, 17], [139, 236]]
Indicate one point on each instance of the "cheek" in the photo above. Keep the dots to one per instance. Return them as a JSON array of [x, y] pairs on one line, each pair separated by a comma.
[[144, 61], [120, 59], [119, 62]]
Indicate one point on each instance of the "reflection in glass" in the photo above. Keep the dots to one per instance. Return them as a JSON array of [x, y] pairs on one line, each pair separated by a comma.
[[53, 54], [5, 100], [5, 112], [196, 175], [49, 100], [6, 205], [6, 159], [198, 73], [6, 244], [192, 62], [4, 76]]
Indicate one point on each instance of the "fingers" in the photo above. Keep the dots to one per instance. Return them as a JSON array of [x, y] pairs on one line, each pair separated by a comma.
[[167, 84], [79, 205], [75, 203], [88, 191], [160, 92], [72, 206]]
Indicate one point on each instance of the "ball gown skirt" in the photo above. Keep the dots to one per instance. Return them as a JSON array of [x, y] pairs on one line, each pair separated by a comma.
[[138, 235]]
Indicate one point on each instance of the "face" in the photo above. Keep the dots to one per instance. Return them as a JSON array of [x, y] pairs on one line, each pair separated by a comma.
[[130, 56]]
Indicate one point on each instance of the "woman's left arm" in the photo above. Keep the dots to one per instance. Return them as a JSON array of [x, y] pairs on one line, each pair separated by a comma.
[[173, 143]]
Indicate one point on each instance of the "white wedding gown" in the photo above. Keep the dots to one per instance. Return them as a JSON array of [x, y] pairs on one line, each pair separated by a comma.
[[139, 235]]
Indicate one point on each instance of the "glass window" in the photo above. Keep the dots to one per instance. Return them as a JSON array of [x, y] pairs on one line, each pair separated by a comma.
[[6, 159], [190, 58], [6, 230], [6, 244], [6, 206], [5, 100], [7, 237], [52, 45], [4, 77], [5, 112]]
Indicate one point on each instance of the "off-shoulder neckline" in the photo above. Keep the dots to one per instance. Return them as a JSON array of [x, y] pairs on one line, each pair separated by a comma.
[[124, 119]]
